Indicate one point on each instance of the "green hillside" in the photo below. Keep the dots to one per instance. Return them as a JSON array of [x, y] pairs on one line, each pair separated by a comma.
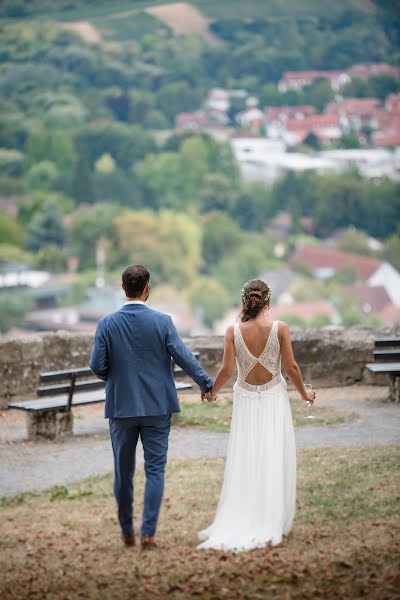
[[89, 93], [215, 9]]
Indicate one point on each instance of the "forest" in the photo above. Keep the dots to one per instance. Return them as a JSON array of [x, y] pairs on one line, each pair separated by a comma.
[[88, 152]]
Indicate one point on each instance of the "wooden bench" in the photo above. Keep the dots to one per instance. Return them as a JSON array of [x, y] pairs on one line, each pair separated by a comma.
[[387, 361], [49, 415]]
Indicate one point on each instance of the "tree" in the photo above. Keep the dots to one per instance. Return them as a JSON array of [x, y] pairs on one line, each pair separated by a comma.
[[88, 226], [50, 258], [254, 206], [11, 162], [168, 243], [320, 321], [47, 228], [392, 250], [11, 232], [221, 237], [312, 141], [56, 146], [127, 144], [209, 299], [355, 242], [13, 309], [218, 193], [82, 188], [349, 140], [233, 271], [42, 175]]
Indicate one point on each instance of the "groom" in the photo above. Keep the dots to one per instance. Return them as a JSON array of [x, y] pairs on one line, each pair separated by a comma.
[[132, 352]]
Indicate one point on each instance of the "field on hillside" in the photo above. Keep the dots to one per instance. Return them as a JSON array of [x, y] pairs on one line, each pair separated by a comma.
[[210, 8]]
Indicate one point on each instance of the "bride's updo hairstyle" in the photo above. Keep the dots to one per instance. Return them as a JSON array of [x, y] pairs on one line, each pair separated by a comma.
[[255, 296]]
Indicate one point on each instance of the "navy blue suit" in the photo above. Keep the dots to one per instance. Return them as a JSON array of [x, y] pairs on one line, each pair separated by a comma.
[[132, 352]]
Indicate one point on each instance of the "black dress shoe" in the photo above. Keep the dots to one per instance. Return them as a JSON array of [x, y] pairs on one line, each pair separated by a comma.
[[128, 538]]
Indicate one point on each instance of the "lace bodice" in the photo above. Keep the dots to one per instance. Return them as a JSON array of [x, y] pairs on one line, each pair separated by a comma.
[[270, 357]]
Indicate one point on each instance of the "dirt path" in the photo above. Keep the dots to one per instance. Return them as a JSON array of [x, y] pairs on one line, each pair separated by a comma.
[[26, 466]]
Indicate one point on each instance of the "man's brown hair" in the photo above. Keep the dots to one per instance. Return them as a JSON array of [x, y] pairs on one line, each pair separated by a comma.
[[134, 280]]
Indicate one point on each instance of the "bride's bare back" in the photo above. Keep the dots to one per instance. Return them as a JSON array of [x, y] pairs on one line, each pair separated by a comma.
[[255, 334], [257, 350]]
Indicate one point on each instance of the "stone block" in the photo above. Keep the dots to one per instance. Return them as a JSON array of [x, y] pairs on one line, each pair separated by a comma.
[[49, 425]]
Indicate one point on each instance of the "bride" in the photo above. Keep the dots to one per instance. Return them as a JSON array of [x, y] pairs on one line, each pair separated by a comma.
[[257, 503]]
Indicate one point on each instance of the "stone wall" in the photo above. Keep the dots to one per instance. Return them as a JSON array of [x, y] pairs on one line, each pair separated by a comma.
[[328, 356]]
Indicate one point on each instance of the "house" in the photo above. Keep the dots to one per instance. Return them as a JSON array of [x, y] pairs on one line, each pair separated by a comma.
[[276, 117], [19, 275], [191, 121], [368, 299], [355, 113], [392, 104], [251, 118], [325, 263], [296, 80], [370, 162], [218, 99], [326, 127], [364, 71]]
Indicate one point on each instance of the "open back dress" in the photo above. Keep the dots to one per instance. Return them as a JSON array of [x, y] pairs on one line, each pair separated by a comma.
[[258, 497]]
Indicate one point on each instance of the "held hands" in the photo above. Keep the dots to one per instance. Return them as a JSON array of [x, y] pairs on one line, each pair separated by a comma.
[[209, 396]]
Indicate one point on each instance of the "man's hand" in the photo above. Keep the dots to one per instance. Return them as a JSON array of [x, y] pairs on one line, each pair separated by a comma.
[[210, 397]]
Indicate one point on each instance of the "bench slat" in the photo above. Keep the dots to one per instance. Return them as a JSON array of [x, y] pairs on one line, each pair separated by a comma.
[[391, 355], [63, 388], [60, 375], [391, 368], [56, 402], [379, 342]]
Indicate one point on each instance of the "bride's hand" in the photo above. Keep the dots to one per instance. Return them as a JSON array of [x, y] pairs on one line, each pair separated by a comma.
[[210, 397], [310, 396]]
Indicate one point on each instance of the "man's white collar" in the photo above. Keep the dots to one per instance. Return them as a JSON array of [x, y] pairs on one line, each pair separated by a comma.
[[134, 302]]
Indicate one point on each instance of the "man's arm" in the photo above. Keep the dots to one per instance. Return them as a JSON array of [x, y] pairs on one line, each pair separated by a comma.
[[185, 359], [99, 359]]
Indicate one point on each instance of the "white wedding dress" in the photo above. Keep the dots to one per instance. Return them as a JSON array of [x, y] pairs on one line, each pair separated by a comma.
[[258, 497]]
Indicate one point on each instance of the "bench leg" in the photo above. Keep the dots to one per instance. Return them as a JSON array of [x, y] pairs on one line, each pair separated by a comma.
[[394, 388], [50, 424]]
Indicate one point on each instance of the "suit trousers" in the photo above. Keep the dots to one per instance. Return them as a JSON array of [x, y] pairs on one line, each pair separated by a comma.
[[125, 433]]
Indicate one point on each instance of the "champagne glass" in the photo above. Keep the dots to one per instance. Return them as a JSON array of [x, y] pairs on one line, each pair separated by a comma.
[[309, 387]]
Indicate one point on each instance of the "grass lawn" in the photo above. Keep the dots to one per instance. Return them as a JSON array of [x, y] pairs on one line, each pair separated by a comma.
[[64, 543], [216, 416]]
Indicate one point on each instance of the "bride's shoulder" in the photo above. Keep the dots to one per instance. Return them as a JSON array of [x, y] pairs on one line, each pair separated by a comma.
[[283, 328], [230, 331]]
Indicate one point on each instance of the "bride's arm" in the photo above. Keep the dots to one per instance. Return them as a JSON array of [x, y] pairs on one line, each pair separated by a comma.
[[291, 367], [228, 364]]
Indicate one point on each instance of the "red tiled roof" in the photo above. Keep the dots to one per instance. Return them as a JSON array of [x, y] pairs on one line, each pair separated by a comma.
[[195, 117], [313, 122], [364, 71], [309, 75], [386, 138], [288, 112], [363, 106], [393, 103], [315, 257]]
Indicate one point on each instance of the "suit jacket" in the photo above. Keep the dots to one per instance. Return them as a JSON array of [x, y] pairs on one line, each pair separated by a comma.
[[132, 352]]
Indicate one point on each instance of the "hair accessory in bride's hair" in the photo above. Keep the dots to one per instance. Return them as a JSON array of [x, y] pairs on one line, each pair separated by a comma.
[[267, 295]]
